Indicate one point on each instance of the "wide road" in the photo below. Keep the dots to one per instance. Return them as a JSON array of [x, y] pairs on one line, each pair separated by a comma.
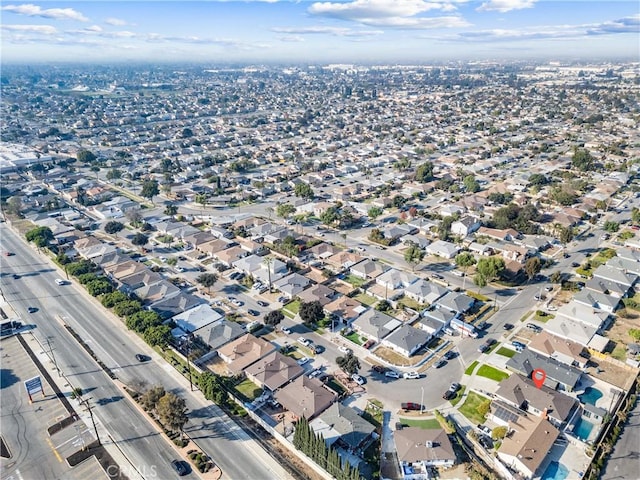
[[237, 455]]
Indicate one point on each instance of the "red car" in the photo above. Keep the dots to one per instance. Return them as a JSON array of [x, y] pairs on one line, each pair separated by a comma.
[[411, 406], [369, 343]]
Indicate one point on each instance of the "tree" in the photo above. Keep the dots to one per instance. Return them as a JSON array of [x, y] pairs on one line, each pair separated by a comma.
[[124, 309], [311, 312], [465, 260], [330, 215], [158, 335], [40, 236], [85, 156], [499, 433], [582, 160], [268, 261], [14, 205], [140, 240], [480, 281], [635, 216], [171, 209], [113, 298], [207, 280], [172, 412], [113, 227], [556, 277], [150, 189], [445, 227], [349, 363], [538, 179], [303, 190], [490, 267], [532, 267], [142, 320], [483, 408], [413, 255], [374, 212], [424, 172], [471, 184], [273, 318], [284, 210], [114, 174], [99, 286], [611, 226], [134, 216], [565, 235], [151, 397]]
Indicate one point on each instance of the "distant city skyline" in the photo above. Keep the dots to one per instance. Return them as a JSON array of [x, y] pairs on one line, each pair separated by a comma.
[[346, 31]]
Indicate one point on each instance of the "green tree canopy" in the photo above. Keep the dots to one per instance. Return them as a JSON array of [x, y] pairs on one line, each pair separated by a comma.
[[85, 156], [304, 190], [113, 227], [413, 255], [159, 335], [311, 312], [150, 189], [349, 363], [582, 160], [172, 412], [140, 239], [490, 267], [40, 236], [207, 280], [471, 184], [284, 210], [424, 172], [374, 212], [274, 317], [532, 267]]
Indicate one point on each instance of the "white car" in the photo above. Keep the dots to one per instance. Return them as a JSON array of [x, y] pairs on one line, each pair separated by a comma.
[[551, 308], [411, 375], [304, 360], [391, 374], [304, 341], [345, 350], [357, 378], [286, 330], [60, 281], [236, 302]]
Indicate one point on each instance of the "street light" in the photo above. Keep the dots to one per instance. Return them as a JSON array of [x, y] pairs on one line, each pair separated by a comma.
[[422, 401]]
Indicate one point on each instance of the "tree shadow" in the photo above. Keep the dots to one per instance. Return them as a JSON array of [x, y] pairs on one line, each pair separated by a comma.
[[7, 378]]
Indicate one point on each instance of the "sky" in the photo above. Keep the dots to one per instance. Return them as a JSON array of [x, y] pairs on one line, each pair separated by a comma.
[[307, 31]]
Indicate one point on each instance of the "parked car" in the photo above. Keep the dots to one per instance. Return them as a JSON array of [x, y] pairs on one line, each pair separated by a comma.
[[534, 327], [180, 468], [519, 346], [411, 375], [438, 276], [507, 326], [485, 441], [548, 288], [575, 264], [303, 360], [450, 354], [484, 429], [286, 330], [410, 406], [454, 387], [552, 308], [358, 379], [440, 363], [262, 303], [253, 313], [304, 341], [236, 302], [391, 374], [316, 348], [448, 395], [345, 350], [379, 369], [369, 343], [482, 325]]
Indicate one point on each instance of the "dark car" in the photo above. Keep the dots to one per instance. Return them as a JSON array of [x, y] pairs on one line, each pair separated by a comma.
[[142, 358], [410, 406], [448, 395], [16, 276], [440, 363], [575, 264], [262, 303], [32, 309], [485, 441], [379, 368], [507, 326], [438, 276], [253, 313], [450, 354], [316, 348], [180, 468]]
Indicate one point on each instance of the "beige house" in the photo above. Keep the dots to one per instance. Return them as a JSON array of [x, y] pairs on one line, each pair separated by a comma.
[[561, 349], [419, 448], [306, 397], [273, 371], [243, 352]]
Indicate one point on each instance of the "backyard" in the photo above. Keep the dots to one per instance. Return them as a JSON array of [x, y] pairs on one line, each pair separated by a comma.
[[249, 390], [470, 407], [424, 423], [365, 299]]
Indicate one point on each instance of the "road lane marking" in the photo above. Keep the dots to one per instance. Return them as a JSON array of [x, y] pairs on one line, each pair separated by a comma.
[[54, 450]]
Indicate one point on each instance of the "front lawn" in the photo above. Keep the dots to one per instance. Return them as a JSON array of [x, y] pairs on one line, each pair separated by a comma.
[[471, 368], [249, 390], [492, 373], [293, 307], [424, 423], [455, 400], [543, 316], [506, 352], [354, 337], [470, 407]]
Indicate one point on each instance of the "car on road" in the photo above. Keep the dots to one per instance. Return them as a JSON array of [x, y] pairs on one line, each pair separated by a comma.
[[286, 330], [410, 406], [440, 363], [454, 387], [60, 281], [438, 276], [552, 308], [507, 326], [345, 350], [16, 276], [315, 348], [411, 375], [253, 313], [450, 354], [180, 468], [539, 297], [236, 302], [304, 341], [262, 303], [448, 395], [548, 288], [482, 325], [575, 264], [391, 374], [32, 309], [142, 358], [303, 360], [358, 379], [8, 254], [234, 276]]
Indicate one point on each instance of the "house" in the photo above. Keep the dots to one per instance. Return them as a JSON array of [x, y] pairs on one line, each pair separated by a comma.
[[217, 334], [607, 287], [456, 302], [130, 283], [243, 352], [522, 393], [406, 340], [507, 235], [345, 309], [305, 397], [124, 269], [196, 318], [433, 321], [561, 349], [585, 314], [465, 226], [570, 329], [344, 259], [420, 448], [443, 249], [273, 371], [425, 292], [214, 246], [292, 285], [230, 255], [110, 259], [368, 269], [170, 306], [341, 426], [607, 272], [318, 292], [559, 375], [526, 449], [598, 300], [624, 264], [375, 324], [394, 279], [156, 291]]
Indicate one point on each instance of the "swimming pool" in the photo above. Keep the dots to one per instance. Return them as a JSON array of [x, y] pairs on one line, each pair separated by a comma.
[[591, 396], [583, 429], [555, 471]]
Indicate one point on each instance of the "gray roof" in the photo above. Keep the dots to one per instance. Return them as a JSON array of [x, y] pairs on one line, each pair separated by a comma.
[[456, 302], [527, 361], [376, 324], [609, 272], [408, 338], [218, 334], [353, 429]]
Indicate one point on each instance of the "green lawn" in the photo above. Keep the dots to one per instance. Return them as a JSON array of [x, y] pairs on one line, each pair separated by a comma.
[[471, 368], [287, 313], [355, 338], [365, 299], [355, 281], [424, 423], [469, 408], [492, 348], [248, 389], [506, 352], [411, 303], [293, 307], [543, 316], [492, 373], [455, 400], [526, 315]]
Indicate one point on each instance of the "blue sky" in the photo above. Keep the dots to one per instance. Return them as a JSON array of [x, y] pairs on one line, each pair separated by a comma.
[[338, 31]]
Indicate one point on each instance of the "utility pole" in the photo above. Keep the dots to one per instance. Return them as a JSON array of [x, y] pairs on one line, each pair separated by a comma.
[[189, 337], [422, 401], [87, 405], [55, 364]]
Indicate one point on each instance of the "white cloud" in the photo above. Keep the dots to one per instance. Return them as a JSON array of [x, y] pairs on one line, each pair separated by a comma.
[[391, 13], [31, 10], [41, 29], [505, 5], [117, 22], [337, 31]]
